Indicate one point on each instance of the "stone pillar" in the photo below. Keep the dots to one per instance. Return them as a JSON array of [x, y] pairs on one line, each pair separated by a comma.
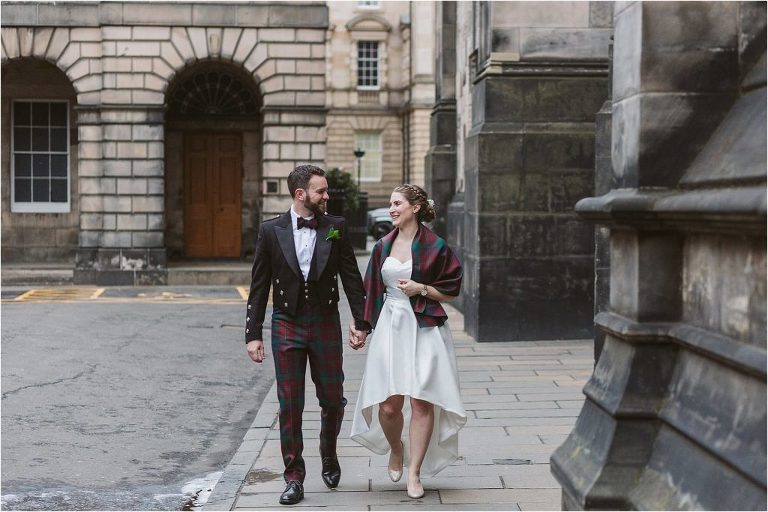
[[440, 162], [675, 416], [528, 158], [122, 197], [603, 178]]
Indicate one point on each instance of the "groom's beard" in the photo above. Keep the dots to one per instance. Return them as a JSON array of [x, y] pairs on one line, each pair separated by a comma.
[[315, 208]]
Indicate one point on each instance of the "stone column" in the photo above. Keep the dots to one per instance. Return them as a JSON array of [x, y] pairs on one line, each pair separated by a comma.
[[529, 157], [675, 416], [440, 162], [603, 179], [122, 197]]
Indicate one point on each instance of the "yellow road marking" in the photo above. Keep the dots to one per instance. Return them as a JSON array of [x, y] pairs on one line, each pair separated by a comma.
[[96, 295], [59, 294]]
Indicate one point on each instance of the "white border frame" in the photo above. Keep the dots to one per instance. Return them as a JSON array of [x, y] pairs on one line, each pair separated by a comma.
[[376, 87], [39, 207]]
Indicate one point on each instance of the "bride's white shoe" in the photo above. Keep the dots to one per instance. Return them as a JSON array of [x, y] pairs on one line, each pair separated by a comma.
[[396, 475], [417, 491]]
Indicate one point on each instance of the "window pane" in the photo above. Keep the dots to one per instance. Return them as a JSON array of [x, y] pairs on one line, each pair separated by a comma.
[[40, 165], [40, 114], [22, 190], [41, 190], [58, 114], [59, 165], [39, 139], [21, 113], [367, 64], [58, 139], [21, 138], [371, 165], [42, 176], [59, 191], [22, 165]]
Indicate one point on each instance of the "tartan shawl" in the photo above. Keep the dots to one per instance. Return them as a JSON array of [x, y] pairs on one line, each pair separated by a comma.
[[434, 264]]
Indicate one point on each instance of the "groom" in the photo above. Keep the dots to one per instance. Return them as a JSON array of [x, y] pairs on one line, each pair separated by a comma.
[[300, 254]]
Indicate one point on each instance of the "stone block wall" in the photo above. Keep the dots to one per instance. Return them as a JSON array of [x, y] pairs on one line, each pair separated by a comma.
[[675, 416], [340, 146], [440, 162], [419, 122], [399, 108], [120, 59], [38, 237], [530, 79]]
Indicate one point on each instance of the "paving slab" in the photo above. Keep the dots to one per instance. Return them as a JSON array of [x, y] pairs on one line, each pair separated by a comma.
[[522, 400]]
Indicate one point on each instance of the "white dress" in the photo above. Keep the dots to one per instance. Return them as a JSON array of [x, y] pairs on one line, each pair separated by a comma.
[[418, 362]]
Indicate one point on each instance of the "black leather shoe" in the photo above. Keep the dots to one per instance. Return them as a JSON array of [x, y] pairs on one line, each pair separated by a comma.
[[331, 472], [294, 493]]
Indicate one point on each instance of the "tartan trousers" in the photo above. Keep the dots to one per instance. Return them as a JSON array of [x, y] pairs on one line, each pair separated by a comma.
[[313, 334]]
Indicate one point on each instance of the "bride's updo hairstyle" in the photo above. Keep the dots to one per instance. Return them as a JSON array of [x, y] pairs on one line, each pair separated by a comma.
[[415, 195]]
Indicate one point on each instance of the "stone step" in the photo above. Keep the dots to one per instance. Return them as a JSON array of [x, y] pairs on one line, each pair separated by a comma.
[[44, 275], [235, 274]]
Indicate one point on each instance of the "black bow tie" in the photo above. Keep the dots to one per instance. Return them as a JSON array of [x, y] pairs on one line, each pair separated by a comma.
[[306, 223]]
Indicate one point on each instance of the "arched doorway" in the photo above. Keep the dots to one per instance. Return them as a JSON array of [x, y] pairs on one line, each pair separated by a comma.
[[213, 162]]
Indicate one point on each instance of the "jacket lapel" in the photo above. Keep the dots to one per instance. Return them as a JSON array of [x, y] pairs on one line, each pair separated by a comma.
[[284, 234]]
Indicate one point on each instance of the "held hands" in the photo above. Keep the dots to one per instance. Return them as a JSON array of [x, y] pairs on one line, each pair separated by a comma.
[[410, 288], [356, 338]]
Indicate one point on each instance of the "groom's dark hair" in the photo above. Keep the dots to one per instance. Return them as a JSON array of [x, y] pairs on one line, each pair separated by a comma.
[[300, 176]]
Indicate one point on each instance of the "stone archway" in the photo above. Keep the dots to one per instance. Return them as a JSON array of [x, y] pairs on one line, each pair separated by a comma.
[[213, 162], [40, 187]]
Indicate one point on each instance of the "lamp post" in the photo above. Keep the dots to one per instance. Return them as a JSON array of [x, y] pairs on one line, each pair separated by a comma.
[[359, 154]]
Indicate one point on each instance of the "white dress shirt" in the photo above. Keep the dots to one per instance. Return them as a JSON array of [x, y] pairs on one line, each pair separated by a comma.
[[304, 241]]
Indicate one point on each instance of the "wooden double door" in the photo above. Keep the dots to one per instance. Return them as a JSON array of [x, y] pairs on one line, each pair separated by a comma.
[[212, 195]]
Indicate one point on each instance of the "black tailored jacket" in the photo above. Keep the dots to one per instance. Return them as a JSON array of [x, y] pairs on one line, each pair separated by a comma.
[[276, 265]]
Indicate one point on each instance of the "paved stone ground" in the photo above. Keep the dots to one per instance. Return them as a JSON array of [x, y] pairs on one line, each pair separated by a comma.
[[522, 400]]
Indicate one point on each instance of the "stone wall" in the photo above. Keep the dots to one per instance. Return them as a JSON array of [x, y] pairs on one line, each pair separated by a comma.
[[440, 162], [399, 109], [675, 416], [38, 237], [120, 58], [341, 129], [530, 78]]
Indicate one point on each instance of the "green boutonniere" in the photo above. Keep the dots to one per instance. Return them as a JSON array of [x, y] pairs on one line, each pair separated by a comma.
[[333, 234]]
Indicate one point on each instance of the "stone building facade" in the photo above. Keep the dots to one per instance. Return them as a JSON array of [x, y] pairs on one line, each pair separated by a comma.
[[134, 133], [512, 150], [675, 415], [531, 146], [382, 106]]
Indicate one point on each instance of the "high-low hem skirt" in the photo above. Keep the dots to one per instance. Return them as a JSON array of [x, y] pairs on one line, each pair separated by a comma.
[[416, 362]]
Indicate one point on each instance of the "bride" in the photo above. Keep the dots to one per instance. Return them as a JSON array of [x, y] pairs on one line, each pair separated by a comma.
[[410, 373]]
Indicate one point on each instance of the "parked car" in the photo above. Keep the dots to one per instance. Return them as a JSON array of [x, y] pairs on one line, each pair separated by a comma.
[[379, 222]]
